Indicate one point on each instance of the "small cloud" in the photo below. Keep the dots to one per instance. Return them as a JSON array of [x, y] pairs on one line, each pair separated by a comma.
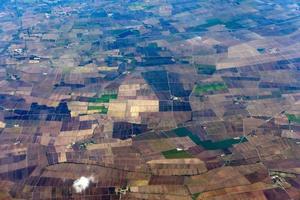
[[82, 183]]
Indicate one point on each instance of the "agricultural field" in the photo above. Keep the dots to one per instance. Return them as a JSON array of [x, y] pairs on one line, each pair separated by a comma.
[[207, 88], [145, 100]]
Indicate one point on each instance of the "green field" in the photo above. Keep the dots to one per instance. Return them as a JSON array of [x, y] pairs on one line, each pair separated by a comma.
[[208, 144], [195, 195], [293, 118], [211, 22], [201, 89], [223, 144], [205, 69], [138, 6], [174, 153], [105, 98], [101, 109], [261, 50], [183, 132], [232, 24]]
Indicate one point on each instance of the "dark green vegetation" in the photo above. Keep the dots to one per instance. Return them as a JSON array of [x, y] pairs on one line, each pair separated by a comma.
[[99, 13], [82, 145], [151, 61], [274, 94], [293, 118], [174, 153], [139, 6], [261, 50], [105, 98], [101, 109], [205, 69], [201, 89], [151, 50], [232, 24], [195, 195], [208, 144], [122, 33], [211, 22]]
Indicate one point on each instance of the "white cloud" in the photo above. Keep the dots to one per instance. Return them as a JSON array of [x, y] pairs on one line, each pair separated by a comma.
[[82, 183]]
